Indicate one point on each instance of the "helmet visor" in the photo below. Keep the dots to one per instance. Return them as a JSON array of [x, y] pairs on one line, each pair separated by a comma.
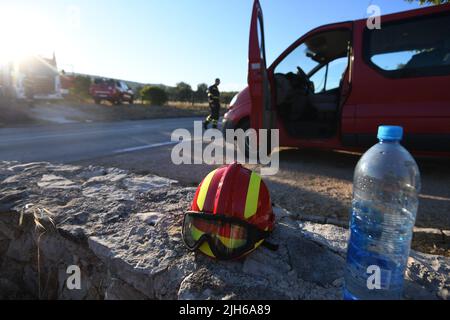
[[226, 238]]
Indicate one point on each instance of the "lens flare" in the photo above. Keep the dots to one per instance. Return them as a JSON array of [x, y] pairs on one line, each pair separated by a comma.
[[24, 33]]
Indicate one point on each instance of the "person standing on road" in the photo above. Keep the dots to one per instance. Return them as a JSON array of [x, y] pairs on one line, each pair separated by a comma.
[[214, 105]]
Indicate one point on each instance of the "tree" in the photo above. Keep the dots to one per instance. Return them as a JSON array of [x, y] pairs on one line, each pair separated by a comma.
[[80, 88], [434, 2], [183, 92], [155, 95], [200, 94], [171, 93], [137, 92], [226, 97]]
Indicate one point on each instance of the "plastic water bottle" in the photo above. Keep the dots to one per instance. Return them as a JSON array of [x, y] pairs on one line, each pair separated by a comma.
[[385, 201]]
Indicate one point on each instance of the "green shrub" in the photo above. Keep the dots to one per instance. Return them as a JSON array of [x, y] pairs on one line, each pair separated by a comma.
[[154, 95], [80, 87]]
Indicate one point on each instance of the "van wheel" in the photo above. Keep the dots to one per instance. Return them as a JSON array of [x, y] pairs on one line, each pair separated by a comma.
[[245, 125], [98, 101], [118, 102]]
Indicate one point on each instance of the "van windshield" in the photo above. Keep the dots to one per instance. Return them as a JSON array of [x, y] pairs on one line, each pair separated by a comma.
[[315, 51]]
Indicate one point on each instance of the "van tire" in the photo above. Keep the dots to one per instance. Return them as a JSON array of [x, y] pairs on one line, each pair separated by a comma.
[[244, 124]]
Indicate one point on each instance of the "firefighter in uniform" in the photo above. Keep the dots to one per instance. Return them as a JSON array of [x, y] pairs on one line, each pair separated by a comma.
[[214, 105]]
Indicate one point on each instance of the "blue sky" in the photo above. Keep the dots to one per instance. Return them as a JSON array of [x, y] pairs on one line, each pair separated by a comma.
[[156, 41]]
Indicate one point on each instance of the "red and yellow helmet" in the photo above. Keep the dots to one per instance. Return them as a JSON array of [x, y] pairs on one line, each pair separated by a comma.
[[231, 214]]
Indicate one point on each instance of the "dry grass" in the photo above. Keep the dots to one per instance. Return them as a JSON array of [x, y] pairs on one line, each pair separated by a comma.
[[41, 216], [12, 115], [139, 111], [188, 105], [19, 114], [108, 112]]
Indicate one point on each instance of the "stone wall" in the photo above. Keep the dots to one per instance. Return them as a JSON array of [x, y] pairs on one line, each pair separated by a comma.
[[124, 232], [34, 262]]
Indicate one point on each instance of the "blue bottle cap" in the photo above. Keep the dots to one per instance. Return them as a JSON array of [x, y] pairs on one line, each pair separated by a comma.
[[390, 133]]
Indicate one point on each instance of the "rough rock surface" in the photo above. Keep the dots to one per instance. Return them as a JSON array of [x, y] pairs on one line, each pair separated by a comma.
[[124, 233]]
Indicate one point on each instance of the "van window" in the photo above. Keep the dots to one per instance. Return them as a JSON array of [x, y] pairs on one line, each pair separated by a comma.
[[419, 47], [325, 80], [319, 79], [261, 43]]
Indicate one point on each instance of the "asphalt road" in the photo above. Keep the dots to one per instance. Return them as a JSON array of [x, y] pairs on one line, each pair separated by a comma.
[[69, 143], [312, 182]]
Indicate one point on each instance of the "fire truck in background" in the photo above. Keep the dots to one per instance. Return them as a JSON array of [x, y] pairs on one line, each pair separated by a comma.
[[30, 78]]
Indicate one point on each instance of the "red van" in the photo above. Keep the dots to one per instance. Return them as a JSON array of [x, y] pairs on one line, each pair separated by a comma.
[[114, 91], [336, 84]]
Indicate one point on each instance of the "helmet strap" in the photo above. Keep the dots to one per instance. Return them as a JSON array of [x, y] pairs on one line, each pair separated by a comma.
[[270, 246]]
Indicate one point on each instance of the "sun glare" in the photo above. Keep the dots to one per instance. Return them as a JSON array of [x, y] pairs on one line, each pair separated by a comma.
[[24, 33]]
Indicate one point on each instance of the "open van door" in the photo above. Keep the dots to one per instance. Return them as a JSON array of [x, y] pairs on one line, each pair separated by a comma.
[[258, 82]]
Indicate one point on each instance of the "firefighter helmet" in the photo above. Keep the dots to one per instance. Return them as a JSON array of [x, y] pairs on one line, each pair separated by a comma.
[[231, 214]]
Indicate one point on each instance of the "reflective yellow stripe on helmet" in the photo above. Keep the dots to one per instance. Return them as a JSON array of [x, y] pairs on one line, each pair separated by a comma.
[[205, 248], [251, 203], [232, 243], [196, 234], [204, 190], [227, 242]]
